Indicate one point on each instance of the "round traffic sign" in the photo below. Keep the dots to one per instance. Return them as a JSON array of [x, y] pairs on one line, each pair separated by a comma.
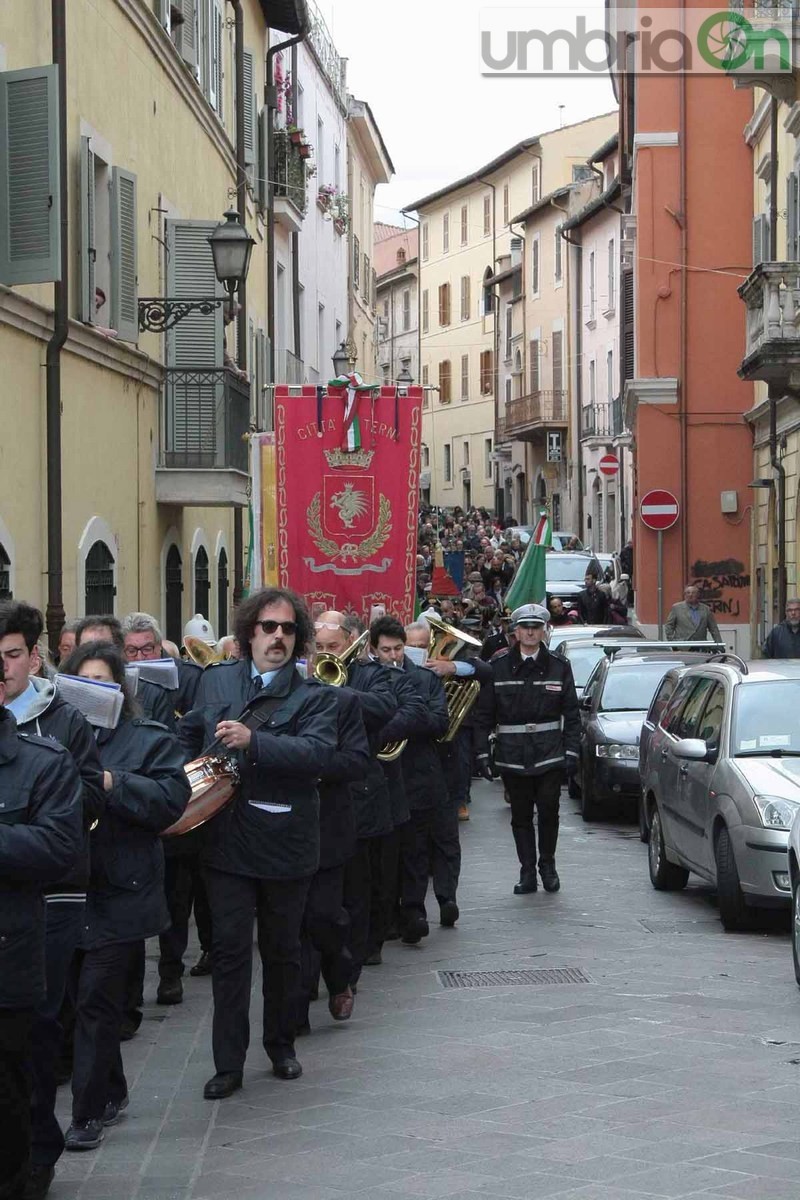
[[609, 464], [659, 509]]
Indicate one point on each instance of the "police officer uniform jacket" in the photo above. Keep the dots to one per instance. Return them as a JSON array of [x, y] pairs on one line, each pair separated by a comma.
[[373, 805], [533, 705], [348, 765], [423, 776], [271, 829], [41, 836], [125, 900]]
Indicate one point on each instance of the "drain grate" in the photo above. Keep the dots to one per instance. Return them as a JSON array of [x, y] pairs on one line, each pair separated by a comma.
[[479, 979]]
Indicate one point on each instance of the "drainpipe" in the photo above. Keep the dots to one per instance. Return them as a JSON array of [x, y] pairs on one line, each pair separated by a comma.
[[241, 321], [55, 562], [684, 354], [578, 247], [499, 491], [298, 349], [774, 457]]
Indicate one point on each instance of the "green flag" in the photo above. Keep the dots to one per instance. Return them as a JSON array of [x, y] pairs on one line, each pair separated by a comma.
[[529, 585]]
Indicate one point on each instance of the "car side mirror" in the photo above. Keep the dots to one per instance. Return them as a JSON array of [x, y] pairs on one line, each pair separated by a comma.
[[691, 749]]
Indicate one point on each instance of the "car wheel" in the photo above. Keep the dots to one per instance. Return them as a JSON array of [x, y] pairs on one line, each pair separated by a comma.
[[664, 875], [796, 929], [733, 912], [590, 809], [644, 828]]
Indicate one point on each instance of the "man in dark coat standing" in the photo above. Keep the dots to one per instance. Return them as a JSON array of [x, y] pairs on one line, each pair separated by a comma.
[[784, 640], [263, 849]]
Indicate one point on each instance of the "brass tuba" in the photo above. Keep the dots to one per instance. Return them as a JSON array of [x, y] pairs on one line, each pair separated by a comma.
[[447, 642], [331, 669], [201, 653]]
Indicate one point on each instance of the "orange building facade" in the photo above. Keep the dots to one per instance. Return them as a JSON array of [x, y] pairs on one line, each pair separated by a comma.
[[690, 191]]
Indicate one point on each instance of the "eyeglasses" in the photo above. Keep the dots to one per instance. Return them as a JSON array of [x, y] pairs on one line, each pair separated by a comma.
[[327, 625], [140, 651], [287, 627]]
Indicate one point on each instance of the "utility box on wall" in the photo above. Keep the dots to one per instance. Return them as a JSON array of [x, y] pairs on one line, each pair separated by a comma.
[[729, 502]]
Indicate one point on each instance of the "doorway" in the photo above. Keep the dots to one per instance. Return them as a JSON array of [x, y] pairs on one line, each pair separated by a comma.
[[173, 598]]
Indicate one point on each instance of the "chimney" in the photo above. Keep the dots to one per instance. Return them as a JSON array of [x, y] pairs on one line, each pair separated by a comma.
[[401, 257], [516, 251]]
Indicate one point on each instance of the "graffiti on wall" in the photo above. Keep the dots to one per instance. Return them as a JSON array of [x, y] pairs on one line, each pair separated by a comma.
[[721, 585]]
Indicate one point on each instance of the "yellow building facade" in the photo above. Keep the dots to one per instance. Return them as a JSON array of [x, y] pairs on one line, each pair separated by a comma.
[[153, 427]]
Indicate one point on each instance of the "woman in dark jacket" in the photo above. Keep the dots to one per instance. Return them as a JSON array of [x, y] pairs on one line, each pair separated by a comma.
[[146, 790]]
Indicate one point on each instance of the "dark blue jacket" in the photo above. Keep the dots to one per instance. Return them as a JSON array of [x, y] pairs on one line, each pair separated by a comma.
[[376, 696], [422, 769], [41, 836], [271, 830], [411, 718], [125, 901], [348, 766]]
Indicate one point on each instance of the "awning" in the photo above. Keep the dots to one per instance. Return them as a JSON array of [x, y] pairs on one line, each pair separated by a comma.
[[287, 16]]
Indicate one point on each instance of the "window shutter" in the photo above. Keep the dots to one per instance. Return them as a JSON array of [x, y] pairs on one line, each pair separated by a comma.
[[87, 249], [558, 361], [627, 330], [185, 36], [217, 64], [30, 200], [195, 343], [465, 298], [535, 387], [792, 216], [162, 8], [249, 131], [441, 304], [760, 240], [261, 190], [124, 291]]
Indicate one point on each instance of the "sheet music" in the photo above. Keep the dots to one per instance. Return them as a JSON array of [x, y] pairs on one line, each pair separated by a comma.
[[101, 703], [163, 671]]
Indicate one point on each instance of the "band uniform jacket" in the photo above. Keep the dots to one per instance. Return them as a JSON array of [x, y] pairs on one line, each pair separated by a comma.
[[41, 837], [271, 828], [533, 706], [373, 690], [422, 768], [125, 901], [410, 717], [348, 766]]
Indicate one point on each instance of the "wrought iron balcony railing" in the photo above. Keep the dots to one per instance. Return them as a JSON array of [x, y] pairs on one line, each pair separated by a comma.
[[206, 419], [290, 172], [535, 411]]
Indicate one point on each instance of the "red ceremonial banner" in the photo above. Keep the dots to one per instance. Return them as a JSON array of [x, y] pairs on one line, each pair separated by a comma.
[[348, 491]]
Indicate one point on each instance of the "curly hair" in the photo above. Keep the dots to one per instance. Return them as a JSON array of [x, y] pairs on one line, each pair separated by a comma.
[[17, 617], [386, 627], [246, 615]]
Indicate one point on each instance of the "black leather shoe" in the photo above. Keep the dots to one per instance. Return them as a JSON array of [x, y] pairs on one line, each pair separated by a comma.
[[113, 1111], [416, 929], [220, 1086], [170, 991], [203, 965], [449, 914], [373, 960], [527, 883], [287, 1068], [549, 874], [84, 1135], [38, 1183]]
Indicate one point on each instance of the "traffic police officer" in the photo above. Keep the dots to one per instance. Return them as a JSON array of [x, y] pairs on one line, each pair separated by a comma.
[[532, 705]]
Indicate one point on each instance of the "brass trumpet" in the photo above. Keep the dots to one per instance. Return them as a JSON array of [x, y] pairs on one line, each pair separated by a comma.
[[332, 669]]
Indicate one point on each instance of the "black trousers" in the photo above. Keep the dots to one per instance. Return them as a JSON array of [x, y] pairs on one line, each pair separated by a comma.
[[324, 937], [358, 873], [97, 1074], [15, 1100], [539, 792], [278, 905], [459, 769], [133, 1000], [385, 853], [184, 887], [429, 845]]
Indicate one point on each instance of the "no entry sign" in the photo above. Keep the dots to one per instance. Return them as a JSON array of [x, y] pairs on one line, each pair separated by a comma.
[[609, 465], [659, 510]]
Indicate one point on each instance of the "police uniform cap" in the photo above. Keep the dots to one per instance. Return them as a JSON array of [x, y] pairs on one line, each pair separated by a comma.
[[530, 614]]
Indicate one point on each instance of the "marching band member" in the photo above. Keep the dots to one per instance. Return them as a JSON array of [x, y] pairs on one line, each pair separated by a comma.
[[263, 849], [146, 790]]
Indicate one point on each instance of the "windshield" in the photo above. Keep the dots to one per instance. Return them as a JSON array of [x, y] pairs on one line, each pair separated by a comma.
[[583, 659], [570, 569], [767, 719], [631, 688]]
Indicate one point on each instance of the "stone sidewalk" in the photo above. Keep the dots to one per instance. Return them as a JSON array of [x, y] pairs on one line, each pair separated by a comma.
[[672, 1071]]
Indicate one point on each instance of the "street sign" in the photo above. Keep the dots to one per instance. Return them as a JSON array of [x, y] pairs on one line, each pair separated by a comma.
[[609, 465], [659, 510]]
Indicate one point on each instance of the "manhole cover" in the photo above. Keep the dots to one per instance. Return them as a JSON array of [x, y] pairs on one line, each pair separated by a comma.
[[661, 925], [478, 979]]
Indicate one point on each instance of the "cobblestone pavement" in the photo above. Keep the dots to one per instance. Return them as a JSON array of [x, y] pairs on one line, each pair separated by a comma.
[[672, 1072]]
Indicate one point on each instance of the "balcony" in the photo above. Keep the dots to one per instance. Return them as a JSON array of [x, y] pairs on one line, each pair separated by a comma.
[[772, 340], [289, 368], [529, 416], [204, 452], [289, 190]]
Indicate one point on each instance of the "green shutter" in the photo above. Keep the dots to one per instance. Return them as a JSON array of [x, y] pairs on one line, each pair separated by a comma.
[[249, 110], [124, 291], [30, 200], [87, 251], [185, 34], [792, 217]]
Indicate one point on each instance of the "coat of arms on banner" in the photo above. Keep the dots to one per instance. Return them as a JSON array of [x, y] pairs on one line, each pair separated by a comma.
[[346, 521]]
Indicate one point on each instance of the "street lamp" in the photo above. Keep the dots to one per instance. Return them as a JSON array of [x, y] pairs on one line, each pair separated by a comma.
[[231, 247], [341, 363]]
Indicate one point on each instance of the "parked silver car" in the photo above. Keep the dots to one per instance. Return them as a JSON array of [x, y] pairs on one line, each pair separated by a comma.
[[721, 784]]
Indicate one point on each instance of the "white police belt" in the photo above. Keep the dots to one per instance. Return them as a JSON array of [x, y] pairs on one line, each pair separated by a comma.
[[533, 727]]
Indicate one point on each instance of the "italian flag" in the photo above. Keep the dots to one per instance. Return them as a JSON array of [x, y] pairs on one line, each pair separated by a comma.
[[529, 585]]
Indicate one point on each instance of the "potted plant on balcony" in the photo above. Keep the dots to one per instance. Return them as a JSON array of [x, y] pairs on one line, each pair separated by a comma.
[[295, 135], [340, 210], [305, 149]]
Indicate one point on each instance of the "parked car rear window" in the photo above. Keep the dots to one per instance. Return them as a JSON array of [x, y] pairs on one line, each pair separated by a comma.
[[767, 718], [569, 569], [583, 660], [630, 689], [660, 702]]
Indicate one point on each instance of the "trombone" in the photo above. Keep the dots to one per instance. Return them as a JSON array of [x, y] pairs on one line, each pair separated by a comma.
[[332, 669]]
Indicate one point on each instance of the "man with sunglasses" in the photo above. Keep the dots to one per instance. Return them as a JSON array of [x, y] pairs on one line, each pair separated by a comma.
[[263, 849]]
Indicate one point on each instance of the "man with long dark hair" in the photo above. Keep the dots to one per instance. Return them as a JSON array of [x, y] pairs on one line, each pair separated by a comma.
[[263, 848]]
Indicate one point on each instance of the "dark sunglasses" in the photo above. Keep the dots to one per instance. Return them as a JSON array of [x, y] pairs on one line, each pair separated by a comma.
[[288, 627]]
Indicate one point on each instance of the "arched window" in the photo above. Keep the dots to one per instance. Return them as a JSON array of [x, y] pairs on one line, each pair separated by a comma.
[[5, 574], [222, 594], [202, 583], [99, 589], [173, 579], [488, 293]]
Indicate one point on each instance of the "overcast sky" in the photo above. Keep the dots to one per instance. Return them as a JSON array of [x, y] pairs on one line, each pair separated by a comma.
[[417, 65]]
